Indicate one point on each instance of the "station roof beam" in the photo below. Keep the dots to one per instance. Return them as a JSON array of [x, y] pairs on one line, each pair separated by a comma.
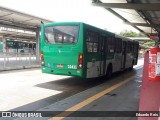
[[135, 6], [143, 15]]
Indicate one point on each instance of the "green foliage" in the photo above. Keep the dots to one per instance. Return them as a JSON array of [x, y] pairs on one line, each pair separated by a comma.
[[150, 43], [131, 34], [127, 33]]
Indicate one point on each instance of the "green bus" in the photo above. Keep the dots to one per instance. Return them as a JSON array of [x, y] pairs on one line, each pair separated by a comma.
[[17, 46], [1, 47], [1, 44], [82, 50]]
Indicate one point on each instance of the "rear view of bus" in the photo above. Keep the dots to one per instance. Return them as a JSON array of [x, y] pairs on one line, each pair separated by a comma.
[[62, 48]]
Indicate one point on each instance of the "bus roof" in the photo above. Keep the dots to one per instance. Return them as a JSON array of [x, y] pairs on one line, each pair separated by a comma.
[[99, 29]]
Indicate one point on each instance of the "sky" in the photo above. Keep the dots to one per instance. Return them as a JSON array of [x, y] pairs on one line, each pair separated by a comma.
[[69, 10]]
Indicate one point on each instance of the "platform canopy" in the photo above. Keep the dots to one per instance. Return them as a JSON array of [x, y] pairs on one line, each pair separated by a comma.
[[144, 15], [15, 25], [14, 19]]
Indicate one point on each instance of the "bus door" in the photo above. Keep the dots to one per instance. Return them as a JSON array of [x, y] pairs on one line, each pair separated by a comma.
[[102, 55], [124, 43]]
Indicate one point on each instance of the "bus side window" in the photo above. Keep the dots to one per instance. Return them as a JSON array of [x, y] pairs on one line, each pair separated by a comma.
[[128, 47], [135, 48], [118, 45], [92, 41], [89, 47], [110, 45], [95, 47], [132, 47], [101, 39]]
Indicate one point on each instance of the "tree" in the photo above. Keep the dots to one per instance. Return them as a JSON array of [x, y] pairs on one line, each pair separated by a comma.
[[149, 44], [127, 33]]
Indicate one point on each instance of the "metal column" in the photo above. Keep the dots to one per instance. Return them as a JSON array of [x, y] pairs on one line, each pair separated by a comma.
[[157, 40], [4, 43], [38, 45]]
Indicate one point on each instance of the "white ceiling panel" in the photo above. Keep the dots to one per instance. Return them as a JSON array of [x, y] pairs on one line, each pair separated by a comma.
[[147, 29], [130, 15]]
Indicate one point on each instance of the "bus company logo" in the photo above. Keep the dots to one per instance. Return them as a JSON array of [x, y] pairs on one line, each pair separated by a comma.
[[49, 65], [6, 114], [59, 51], [21, 114]]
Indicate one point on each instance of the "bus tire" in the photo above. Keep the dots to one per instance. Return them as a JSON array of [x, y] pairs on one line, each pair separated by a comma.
[[109, 71]]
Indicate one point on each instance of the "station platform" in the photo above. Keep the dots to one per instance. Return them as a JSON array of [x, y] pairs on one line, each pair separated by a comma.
[[118, 97], [122, 96], [150, 93]]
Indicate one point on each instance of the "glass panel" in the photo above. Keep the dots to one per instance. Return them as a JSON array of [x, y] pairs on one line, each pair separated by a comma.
[[89, 47], [61, 34], [95, 47]]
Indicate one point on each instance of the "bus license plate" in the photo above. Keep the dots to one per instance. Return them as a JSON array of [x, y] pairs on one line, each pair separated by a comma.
[[60, 66]]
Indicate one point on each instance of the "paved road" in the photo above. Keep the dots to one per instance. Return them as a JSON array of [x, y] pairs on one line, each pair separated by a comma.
[[31, 90]]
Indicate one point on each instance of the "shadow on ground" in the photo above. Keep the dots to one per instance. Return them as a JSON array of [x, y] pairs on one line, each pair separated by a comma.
[[69, 86]]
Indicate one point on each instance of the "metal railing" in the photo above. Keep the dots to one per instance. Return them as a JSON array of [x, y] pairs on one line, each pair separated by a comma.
[[10, 60]]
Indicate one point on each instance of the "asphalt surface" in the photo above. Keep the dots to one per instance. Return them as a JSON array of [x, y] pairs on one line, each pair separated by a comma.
[[30, 90]]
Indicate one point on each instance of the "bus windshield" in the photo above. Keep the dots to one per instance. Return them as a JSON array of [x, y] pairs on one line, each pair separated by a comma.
[[61, 34]]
